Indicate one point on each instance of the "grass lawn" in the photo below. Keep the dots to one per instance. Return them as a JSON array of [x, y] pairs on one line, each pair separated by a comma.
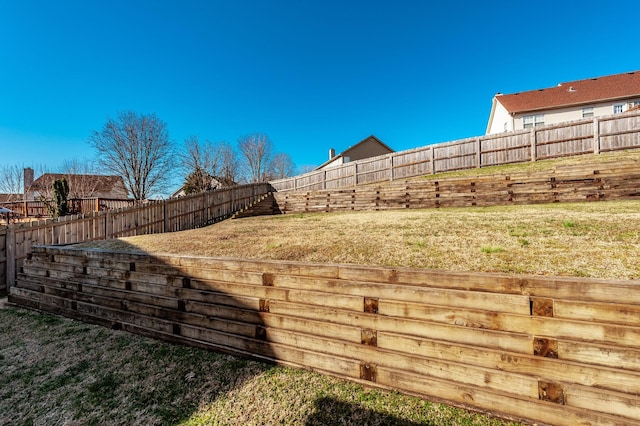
[[598, 239]]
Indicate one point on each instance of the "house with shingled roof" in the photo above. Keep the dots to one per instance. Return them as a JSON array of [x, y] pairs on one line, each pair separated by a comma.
[[575, 100], [366, 148], [80, 186]]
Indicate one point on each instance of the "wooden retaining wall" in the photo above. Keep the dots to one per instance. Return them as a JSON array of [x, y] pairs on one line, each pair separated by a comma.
[[607, 181], [560, 351], [593, 135], [175, 214]]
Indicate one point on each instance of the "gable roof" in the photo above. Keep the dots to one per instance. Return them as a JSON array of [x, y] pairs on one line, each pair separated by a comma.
[[7, 198], [97, 183], [579, 92], [346, 152]]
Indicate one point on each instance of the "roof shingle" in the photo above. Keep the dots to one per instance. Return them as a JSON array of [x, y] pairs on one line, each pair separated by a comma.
[[592, 90]]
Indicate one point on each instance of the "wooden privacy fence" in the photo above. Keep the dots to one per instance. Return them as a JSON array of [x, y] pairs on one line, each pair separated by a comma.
[[561, 351], [595, 135], [76, 205], [176, 214], [601, 182]]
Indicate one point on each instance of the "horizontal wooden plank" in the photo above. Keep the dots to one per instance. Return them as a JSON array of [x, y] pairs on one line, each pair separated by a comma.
[[337, 365], [604, 401], [436, 296], [605, 355], [597, 290], [354, 303], [553, 327], [429, 330], [495, 402], [463, 373], [550, 369], [612, 313]]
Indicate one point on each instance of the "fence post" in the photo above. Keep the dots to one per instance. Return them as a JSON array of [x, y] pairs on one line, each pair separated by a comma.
[[478, 153], [596, 135], [355, 172], [391, 167], [165, 215], [204, 217], [534, 149], [433, 160], [11, 257]]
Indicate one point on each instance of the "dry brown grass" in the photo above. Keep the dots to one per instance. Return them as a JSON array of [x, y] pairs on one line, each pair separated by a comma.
[[600, 239]]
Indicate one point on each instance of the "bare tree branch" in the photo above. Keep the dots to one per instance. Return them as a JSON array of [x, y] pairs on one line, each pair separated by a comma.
[[80, 175], [282, 166], [11, 181], [136, 147], [229, 164], [256, 150]]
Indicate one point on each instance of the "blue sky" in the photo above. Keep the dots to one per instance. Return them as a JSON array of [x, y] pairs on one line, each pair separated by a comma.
[[310, 74]]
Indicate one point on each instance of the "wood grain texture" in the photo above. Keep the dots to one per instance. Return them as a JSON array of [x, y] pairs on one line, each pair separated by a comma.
[[542, 349]]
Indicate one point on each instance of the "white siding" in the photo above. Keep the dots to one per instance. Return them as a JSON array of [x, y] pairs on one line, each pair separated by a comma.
[[500, 118], [572, 113]]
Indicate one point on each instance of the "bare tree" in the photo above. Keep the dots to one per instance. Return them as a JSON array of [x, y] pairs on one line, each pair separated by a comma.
[[282, 166], [200, 162], [229, 164], [256, 151], [11, 181], [136, 147], [80, 175]]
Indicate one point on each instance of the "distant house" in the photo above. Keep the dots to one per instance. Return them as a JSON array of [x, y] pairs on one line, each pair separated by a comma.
[[217, 182], [80, 186], [366, 148], [575, 100], [8, 198]]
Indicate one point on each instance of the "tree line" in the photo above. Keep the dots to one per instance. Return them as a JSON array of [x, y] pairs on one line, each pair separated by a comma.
[[138, 148]]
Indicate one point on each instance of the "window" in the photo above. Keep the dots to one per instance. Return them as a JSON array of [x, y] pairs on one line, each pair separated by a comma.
[[587, 112], [532, 121], [506, 126], [617, 109]]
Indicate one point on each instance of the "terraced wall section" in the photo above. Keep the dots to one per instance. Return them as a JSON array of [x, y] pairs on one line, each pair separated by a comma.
[[618, 180], [561, 351]]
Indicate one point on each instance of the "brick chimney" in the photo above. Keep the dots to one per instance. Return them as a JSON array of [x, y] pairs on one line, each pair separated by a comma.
[[332, 153], [28, 180]]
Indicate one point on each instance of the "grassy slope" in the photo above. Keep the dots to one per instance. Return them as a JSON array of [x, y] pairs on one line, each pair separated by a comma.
[[599, 239], [588, 239]]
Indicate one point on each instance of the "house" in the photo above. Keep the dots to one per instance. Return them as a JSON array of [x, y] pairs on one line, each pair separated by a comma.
[[575, 100], [80, 186], [217, 182], [366, 148], [8, 198]]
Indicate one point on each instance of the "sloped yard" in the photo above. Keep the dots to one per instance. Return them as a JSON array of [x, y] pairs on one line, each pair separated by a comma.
[[599, 239]]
